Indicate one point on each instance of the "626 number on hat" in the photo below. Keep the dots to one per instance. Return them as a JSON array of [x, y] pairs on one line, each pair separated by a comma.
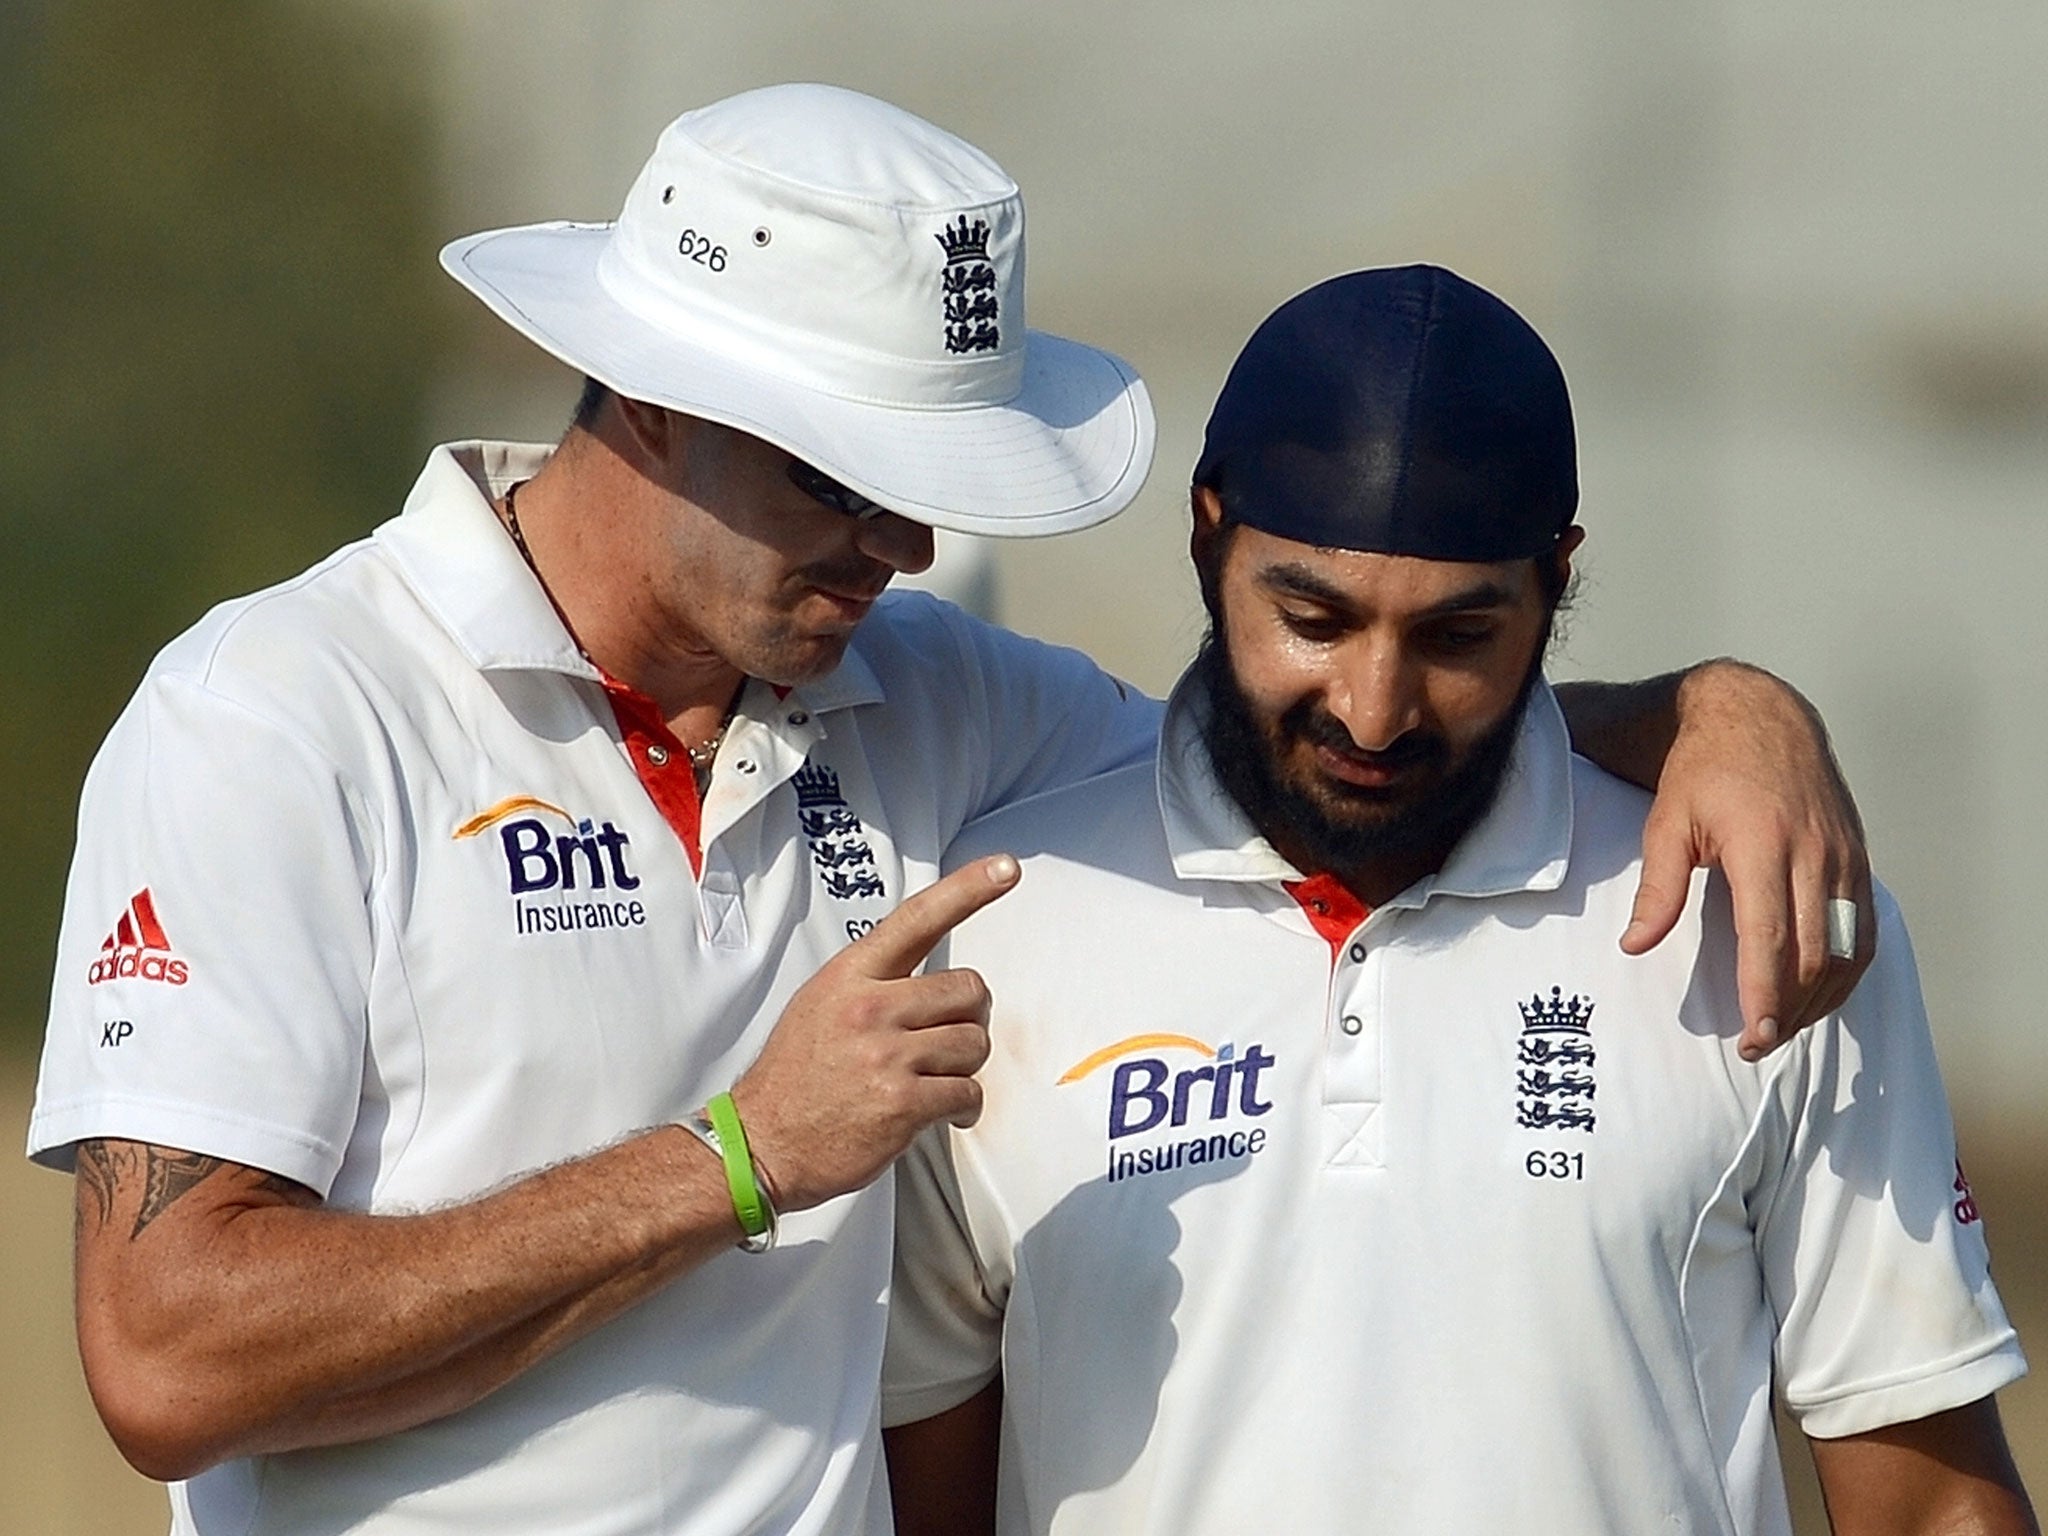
[[701, 250]]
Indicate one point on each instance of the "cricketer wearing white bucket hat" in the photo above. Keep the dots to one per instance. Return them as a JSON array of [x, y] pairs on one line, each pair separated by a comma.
[[532, 928], [837, 276]]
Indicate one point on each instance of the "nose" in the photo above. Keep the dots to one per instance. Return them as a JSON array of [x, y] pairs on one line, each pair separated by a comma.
[[899, 543], [1376, 695]]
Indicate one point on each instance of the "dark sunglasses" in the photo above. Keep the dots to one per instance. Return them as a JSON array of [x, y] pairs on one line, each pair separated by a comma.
[[826, 491]]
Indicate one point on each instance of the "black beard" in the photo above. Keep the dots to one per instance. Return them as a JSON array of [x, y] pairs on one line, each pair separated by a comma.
[[1247, 756]]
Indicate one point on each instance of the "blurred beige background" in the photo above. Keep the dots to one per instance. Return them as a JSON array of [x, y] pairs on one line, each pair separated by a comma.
[[1789, 254]]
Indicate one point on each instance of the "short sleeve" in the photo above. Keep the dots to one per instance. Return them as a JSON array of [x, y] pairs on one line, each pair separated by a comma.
[[1872, 1249], [212, 968], [945, 1331]]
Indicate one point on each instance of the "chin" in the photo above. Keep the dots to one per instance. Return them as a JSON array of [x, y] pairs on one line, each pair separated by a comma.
[[791, 663], [1379, 821]]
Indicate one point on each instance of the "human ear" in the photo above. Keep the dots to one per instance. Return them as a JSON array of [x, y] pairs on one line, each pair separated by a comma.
[[1207, 508], [652, 428], [1568, 543]]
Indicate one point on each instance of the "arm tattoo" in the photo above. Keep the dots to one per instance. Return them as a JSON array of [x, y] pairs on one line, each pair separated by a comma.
[[170, 1175], [165, 1174], [100, 1167]]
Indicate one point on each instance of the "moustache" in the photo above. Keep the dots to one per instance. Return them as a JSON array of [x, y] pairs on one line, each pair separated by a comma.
[[856, 576], [1309, 722]]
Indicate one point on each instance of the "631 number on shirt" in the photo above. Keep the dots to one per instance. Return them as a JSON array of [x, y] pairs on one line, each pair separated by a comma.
[[1555, 1165]]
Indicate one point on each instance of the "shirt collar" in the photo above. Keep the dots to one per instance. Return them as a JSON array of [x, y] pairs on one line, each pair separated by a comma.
[[458, 557], [460, 560], [1523, 843]]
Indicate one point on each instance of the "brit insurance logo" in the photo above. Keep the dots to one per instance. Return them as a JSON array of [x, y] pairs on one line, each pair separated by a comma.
[[566, 874], [1177, 1102], [138, 948]]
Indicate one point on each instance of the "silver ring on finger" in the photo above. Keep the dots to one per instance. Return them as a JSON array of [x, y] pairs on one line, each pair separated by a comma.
[[1844, 917]]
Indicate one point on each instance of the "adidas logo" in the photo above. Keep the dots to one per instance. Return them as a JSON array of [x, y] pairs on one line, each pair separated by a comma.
[[137, 948]]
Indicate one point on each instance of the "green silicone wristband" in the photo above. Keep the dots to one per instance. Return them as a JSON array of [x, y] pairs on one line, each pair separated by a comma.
[[747, 1203]]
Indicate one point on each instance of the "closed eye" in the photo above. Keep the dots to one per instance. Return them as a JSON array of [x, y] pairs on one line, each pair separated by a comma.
[[1318, 626], [1460, 639]]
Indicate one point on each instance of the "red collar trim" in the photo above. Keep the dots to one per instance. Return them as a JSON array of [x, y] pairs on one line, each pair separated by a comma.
[[662, 764], [1330, 908]]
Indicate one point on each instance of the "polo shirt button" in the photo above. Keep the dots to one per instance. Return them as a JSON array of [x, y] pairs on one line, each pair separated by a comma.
[[1352, 1024], [1358, 953], [798, 717], [657, 754], [745, 765]]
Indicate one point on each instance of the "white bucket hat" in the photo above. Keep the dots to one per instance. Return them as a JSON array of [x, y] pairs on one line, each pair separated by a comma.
[[830, 273]]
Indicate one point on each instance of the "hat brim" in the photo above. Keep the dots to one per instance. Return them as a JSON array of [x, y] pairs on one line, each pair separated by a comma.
[[1070, 450]]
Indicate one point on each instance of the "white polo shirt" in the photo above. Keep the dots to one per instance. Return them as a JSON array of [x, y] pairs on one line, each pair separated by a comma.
[[380, 888], [1450, 1218]]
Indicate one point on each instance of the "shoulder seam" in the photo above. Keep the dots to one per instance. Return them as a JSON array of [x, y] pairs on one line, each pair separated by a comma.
[[249, 603]]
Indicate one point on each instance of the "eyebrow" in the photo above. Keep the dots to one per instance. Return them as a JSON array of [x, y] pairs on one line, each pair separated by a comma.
[[1298, 580]]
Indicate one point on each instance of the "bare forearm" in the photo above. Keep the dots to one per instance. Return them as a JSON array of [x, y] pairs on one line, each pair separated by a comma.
[[419, 1396], [1627, 728], [258, 1324]]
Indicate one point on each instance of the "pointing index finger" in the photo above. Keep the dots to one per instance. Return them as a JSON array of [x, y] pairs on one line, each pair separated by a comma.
[[900, 942]]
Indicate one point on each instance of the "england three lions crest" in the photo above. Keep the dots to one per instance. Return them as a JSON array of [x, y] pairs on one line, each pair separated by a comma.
[[1554, 1063], [968, 288], [838, 842]]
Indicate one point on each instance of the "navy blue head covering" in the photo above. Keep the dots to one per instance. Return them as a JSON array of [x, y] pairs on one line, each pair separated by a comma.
[[1403, 411]]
